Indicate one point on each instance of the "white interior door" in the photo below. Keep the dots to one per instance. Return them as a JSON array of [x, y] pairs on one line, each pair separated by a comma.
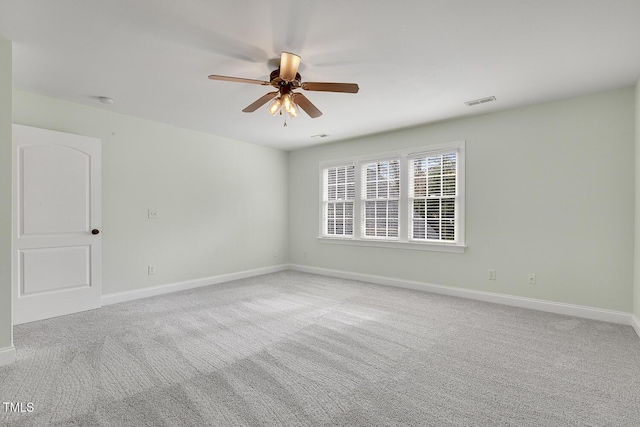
[[57, 220]]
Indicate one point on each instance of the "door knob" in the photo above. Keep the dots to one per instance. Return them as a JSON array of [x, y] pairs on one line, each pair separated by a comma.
[[95, 231]]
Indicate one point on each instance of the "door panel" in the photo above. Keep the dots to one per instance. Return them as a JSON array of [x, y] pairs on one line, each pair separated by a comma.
[[55, 189], [51, 269], [57, 202]]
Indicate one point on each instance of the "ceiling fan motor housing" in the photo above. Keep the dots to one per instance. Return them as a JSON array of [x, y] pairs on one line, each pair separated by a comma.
[[275, 80]]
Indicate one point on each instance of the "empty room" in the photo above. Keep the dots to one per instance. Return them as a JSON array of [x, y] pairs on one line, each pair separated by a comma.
[[306, 213]]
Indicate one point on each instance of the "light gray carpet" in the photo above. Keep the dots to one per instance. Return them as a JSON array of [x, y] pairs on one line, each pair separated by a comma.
[[294, 349]]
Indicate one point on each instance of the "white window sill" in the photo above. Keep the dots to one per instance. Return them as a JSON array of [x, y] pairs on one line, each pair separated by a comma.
[[434, 247]]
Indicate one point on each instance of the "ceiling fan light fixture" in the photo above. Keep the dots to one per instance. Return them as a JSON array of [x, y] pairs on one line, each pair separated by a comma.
[[289, 63], [293, 111], [286, 102], [275, 106]]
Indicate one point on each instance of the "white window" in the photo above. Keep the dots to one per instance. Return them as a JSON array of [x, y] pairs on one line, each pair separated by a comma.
[[432, 197], [381, 195], [410, 199], [338, 198]]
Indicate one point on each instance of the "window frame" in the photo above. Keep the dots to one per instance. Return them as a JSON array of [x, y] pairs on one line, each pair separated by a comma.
[[364, 199], [324, 201], [404, 240]]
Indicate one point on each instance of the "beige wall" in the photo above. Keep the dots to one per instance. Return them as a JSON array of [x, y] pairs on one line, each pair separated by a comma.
[[222, 203], [549, 190], [5, 195]]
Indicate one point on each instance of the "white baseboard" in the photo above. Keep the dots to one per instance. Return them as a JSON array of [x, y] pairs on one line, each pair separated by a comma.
[[7, 356], [523, 302], [635, 322], [118, 297], [515, 301]]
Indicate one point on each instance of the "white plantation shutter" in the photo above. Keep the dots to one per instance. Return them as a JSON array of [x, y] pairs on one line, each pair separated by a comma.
[[381, 196], [433, 197], [339, 195]]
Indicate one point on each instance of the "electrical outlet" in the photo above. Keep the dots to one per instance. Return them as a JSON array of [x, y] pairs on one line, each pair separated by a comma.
[[304, 254], [275, 254], [151, 270], [492, 275], [531, 278], [153, 214]]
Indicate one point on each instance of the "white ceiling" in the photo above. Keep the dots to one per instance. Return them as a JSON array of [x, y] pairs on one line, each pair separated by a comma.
[[416, 61]]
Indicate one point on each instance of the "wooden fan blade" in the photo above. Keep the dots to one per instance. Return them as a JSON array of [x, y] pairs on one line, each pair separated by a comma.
[[304, 103], [289, 63], [260, 102], [238, 80], [331, 87]]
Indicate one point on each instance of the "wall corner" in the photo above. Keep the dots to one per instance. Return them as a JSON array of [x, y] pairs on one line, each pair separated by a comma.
[[636, 256], [7, 352]]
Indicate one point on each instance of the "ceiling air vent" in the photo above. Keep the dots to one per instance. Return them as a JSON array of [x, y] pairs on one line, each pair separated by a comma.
[[480, 101]]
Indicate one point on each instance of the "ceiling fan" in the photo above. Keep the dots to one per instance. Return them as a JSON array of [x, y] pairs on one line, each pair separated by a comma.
[[286, 79]]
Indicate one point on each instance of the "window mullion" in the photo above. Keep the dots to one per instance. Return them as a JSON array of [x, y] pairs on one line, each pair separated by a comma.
[[358, 205], [404, 210]]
